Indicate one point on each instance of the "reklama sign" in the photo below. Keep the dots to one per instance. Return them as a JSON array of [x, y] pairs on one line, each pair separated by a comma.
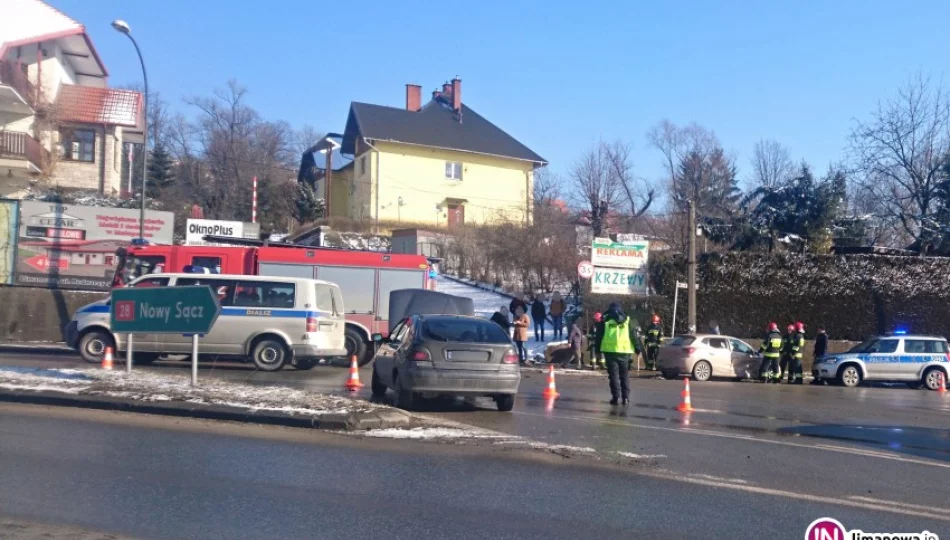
[[607, 253]]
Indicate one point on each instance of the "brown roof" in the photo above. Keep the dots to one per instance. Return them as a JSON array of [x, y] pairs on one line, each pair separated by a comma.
[[91, 105]]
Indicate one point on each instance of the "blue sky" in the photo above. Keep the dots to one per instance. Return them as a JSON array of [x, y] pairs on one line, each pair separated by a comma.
[[557, 75]]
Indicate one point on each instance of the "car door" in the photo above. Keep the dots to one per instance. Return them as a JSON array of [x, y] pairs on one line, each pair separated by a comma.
[[331, 321], [881, 359], [719, 356], [916, 354], [745, 361], [385, 356]]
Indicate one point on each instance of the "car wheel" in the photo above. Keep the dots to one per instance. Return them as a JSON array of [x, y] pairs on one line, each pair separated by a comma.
[[405, 399], [931, 378], [702, 371], [269, 355], [849, 376], [304, 364], [92, 346], [355, 344], [379, 389], [669, 375], [505, 402]]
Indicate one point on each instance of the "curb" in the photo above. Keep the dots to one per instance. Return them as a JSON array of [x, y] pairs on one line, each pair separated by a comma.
[[334, 421]]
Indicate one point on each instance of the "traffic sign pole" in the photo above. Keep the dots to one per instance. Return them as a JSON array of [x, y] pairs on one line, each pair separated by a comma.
[[194, 360], [128, 356]]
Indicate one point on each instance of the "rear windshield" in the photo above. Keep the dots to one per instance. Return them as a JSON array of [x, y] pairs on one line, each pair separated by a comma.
[[680, 341], [463, 330]]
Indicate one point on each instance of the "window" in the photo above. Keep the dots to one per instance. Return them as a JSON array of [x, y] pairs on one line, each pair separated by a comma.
[[877, 346], [357, 284], [151, 282], [337, 300], [463, 330], [716, 343], [223, 288], [142, 265], [400, 331], [363, 165], [393, 280], [925, 346], [324, 298], [681, 341], [265, 294], [741, 347], [78, 145], [453, 170], [211, 263]]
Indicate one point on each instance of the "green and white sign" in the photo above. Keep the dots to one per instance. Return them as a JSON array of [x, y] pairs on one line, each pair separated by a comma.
[[164, 310], [605, 252], [620, 281]]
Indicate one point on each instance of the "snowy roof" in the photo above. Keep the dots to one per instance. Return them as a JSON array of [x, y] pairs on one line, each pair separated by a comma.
[[31, 21], [91, 105]]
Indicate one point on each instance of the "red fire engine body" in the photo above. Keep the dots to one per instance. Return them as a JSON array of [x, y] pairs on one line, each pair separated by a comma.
[[365, 277]]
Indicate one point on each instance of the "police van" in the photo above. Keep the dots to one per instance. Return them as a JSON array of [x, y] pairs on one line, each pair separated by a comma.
[[899, 357], [270, 321]]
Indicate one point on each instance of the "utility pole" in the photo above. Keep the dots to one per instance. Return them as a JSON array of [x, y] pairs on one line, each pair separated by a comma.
[[691, 268]]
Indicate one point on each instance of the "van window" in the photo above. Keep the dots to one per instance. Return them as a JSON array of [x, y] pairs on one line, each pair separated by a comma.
[[338, 307], [925, 346], [358, 286], [265, 294], [324, 298], [223, 287], [393, 280]]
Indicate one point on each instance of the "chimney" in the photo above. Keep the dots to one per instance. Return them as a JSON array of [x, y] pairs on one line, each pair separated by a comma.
[[436, 93], [457, 94], [413, 97], [447, 90]]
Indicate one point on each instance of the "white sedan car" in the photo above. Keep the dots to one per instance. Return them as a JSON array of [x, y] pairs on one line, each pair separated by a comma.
[[704, 356]]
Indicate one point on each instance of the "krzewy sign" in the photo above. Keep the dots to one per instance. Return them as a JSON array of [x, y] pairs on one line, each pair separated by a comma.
[[607, 253], [620, 281]]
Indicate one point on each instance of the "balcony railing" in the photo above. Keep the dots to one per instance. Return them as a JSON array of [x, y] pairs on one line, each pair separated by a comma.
[[12, 75], [14, 144]]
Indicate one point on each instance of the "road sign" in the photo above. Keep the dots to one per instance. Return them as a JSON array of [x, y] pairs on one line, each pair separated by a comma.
[[620, 281], [585, 270], [43, 263], [681, 285], [164, 310]]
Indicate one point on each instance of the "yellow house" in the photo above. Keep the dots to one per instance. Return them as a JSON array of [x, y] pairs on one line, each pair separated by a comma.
[[441, 163]]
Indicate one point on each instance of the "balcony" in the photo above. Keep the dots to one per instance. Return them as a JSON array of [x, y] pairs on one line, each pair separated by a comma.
[[18, 146], [17, 93]]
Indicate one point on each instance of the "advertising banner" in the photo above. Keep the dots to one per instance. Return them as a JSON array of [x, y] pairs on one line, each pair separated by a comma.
[[622, 281], [606, 252], [197, 229], [73, 247], [8, 216]]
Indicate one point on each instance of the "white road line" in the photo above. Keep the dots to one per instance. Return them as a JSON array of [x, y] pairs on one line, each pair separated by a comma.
[[694, 431], [878, 506], [924, 508]]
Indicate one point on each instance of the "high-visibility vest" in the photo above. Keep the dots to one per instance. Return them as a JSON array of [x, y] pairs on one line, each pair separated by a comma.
[[772, 346], [798, 343], [616, 338]]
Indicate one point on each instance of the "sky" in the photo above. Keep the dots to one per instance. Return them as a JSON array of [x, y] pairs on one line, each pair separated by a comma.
[[559, 76]]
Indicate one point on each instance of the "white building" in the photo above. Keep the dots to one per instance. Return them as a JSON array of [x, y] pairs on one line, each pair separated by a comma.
[[60, 124]]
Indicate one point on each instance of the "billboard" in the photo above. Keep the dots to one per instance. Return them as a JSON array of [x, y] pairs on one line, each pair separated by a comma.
[[8, 217], [73, 247], [197, 229], [624, 281], [606, 252], [620, 267]]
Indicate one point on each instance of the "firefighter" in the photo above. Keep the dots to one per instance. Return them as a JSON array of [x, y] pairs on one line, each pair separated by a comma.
[[653, 341], [797, 348], [783, 365], [771, 350]]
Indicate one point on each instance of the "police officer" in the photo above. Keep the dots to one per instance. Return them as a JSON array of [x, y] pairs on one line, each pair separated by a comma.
[[653, 341], [821, 347], [771, 350], [618, 344], [786, 360], [797, 349]]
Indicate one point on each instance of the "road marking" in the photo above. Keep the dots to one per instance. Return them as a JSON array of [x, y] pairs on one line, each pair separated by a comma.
[[710, 433], [876, 505], [896, 504]]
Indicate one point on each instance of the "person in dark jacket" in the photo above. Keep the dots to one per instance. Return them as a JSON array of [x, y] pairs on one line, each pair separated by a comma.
[[518, 302], [593, 342], [618, 343], [539, 313], [821, 349], [501, 318]]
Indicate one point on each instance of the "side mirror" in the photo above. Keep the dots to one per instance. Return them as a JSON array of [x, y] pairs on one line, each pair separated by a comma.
[[378, 338]]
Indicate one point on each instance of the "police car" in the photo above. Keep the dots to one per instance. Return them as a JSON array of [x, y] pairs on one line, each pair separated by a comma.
[[899, 357]]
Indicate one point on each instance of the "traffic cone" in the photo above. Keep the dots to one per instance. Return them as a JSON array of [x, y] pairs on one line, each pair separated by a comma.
[[686, 405], [353, 383], [943, 384], [107, 359], [551, 390]]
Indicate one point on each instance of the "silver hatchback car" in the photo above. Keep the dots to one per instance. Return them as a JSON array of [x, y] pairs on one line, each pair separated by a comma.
[[704, 356]]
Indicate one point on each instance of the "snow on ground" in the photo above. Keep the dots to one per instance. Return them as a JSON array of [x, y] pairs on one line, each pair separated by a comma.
[[154, 387]]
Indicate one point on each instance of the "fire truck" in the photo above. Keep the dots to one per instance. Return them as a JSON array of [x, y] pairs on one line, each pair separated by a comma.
[[365, 277]]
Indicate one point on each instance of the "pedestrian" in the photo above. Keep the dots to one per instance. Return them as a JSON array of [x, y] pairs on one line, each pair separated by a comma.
[[501, 318], [538, 314], [797, 348], [576, 339], [771, 350], [786, 358], [556, 310], [518, 302], [593, 340], [521, 334], [654, 331], [821, 348], [618, 343]]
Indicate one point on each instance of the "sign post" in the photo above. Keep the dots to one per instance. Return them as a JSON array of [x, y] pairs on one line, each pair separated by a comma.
[[676, 296], [165, 310]]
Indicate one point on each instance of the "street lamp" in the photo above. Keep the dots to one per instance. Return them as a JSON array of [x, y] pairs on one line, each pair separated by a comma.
[[123, 27]]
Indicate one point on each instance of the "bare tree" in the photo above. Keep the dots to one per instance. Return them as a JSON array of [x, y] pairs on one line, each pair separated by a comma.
[[899, 153], [771, 164], [639, 195], [603, 181], [547, 187]]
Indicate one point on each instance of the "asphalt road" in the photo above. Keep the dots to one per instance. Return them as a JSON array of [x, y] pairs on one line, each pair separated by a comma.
[[154, 477], [888, 447]]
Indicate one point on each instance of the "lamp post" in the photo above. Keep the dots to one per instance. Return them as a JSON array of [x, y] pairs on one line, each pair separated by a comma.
[[123, 27]]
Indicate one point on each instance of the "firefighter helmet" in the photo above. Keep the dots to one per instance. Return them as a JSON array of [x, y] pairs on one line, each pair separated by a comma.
[[773, 327], [800, 326]]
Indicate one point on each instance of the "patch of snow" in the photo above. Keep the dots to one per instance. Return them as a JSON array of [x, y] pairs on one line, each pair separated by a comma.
[[640, 456], [420, 433]]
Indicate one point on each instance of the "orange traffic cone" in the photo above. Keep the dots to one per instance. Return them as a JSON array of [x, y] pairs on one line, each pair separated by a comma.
[[353, 383], [943, 383], [551, 390], [107, 359], [686, 405]]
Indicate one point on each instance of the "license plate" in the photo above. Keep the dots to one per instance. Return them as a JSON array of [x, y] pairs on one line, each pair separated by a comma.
[[467, 356]]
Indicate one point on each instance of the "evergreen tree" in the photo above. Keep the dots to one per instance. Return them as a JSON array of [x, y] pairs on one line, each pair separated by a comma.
[[160, 174], [308, 207]]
